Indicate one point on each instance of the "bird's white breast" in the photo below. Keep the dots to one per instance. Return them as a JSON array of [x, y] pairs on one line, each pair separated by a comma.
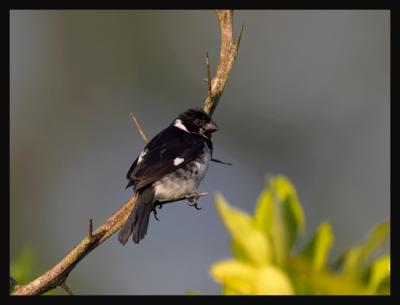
[[184, 180]]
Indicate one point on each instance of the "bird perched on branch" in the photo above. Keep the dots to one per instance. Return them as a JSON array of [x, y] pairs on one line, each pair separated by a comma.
[[170, 166]]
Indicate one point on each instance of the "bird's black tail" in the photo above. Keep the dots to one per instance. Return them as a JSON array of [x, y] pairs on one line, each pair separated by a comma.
[[138, 220]]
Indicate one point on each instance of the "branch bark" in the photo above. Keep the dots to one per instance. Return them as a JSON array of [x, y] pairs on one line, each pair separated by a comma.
[[57, 275], [228, 53]]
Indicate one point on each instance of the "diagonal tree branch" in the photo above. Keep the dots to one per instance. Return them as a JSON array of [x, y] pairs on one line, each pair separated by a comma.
[[228, 53], [57, 275]]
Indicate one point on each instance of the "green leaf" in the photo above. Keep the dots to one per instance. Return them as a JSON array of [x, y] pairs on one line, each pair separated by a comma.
[[355, 259], [236, 276], [317, 249], [293, 210], [263, 213], [376, 239], [379, 272], [238, 251], [280, 215], [322, 281], [249, 243], [242, 278], [264, 262], [273, 281]]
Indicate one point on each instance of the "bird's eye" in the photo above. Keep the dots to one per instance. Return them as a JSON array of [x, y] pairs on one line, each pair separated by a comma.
[[197, 121]]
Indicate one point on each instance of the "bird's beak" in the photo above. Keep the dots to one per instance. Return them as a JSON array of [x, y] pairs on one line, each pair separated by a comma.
[[211, 127]]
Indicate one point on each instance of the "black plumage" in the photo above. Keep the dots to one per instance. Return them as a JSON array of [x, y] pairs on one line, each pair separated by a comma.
[[172, 164], [169, 144]]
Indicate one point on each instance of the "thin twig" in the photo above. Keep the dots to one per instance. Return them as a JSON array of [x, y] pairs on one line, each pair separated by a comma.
[[140, 129], [66, 288], [57, 275], [219, 161], [90, 228], [238, 42]]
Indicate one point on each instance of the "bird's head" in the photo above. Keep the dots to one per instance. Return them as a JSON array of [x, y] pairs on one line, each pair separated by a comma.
[[196, 121]]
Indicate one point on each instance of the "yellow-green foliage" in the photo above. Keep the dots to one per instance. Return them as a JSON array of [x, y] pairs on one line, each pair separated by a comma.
[[25, 267], [264, 261]]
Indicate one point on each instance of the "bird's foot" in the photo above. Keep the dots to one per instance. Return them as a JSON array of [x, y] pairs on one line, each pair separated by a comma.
[[192, 200], [154, 209], [159, 204]]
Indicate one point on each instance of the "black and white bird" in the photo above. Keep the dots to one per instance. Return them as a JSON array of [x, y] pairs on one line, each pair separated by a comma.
[[170, 166]]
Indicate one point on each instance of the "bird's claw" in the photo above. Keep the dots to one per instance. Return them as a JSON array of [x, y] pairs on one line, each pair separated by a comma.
[[195, 205], [155, 215], [158, 204], [155, 211], [193, 201]]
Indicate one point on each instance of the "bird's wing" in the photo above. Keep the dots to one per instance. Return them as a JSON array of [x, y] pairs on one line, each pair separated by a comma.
[[170, 150], [131, 169]]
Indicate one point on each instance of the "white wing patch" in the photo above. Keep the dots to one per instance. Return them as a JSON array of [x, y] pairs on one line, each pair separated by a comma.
[[142, 154], [178, 123], [178, 161]]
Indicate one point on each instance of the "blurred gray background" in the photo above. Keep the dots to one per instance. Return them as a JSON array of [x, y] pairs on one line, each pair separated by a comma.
[[308, 98]]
